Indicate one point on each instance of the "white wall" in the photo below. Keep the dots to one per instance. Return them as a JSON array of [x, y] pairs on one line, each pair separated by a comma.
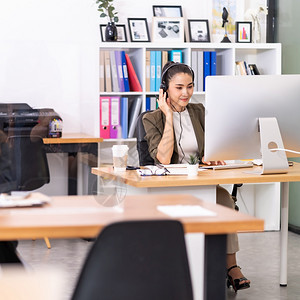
[[49, 52], [46, 49]]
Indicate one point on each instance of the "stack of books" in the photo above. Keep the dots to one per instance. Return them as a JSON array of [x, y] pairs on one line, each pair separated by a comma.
[[242, 68]]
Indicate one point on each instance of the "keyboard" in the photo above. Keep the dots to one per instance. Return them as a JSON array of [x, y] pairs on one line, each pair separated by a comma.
[[229, 166]]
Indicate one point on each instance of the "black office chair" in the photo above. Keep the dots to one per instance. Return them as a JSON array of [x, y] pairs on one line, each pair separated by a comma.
[[141, 144], [136, 260], [29, 164]]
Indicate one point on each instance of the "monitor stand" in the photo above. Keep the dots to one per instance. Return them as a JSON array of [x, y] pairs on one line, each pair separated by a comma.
[[274, 161]]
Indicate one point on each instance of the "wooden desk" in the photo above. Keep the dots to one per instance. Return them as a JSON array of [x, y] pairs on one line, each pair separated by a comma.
[[73, 138], [208, 177], [212, 178], [83, 216], [74, 144]]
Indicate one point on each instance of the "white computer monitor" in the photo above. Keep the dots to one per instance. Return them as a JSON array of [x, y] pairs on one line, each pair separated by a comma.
[[234, 105]]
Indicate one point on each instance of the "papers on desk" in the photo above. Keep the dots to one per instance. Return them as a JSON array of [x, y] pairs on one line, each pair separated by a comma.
[[29, 200], [185, 211]]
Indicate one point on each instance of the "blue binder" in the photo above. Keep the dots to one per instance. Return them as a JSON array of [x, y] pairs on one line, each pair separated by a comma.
[[158, 70], [148, 103], [213, 63], [176, 56], [124, 117], [125, 72], [152, 70], [206, 66]]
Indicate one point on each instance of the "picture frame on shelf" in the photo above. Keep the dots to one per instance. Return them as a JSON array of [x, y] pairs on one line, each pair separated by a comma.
[[173, 11], [243, 32], [138, 29], [165, 29], [199, 31], [121, 29]]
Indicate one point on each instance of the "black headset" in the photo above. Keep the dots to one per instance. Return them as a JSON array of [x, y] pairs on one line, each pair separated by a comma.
[[164, 73]]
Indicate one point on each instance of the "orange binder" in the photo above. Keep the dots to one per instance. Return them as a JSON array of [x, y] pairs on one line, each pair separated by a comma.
[[134, 83]]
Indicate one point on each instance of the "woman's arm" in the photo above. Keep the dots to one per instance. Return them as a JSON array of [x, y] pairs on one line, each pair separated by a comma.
[[166, 146]]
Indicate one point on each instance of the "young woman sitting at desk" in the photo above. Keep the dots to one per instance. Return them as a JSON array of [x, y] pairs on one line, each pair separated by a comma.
[[176, 130]]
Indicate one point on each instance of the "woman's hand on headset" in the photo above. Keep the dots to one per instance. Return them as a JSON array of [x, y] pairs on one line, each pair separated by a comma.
[[164, 103]]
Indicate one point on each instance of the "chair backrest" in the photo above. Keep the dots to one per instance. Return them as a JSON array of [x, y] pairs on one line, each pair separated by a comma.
[[137, 260], [142, 145], [29, 163]]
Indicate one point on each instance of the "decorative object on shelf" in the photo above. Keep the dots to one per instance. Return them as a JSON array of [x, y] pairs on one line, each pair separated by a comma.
[[121, 32], [199, 31], [224, 24], [165, 29], [167, 11], [243, 32], [108, 10], [138, 29], [193, 165], [256, 16]]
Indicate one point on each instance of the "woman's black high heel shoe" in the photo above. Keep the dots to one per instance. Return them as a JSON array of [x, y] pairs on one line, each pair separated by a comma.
[[236, 282]]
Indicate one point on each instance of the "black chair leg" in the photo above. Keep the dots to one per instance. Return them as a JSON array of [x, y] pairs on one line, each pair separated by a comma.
[[8, 253]]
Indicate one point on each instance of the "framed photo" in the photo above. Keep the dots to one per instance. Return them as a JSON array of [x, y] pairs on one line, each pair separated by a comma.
[[167, 29], [243, 32], [167, 11], [122, 37], [199, 31], [138, 29]]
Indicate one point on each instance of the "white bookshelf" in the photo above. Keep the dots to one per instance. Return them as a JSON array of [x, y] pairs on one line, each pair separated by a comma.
[[267, 57], [253, 199]]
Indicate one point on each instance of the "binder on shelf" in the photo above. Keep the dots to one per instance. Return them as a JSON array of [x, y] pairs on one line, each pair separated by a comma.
[[125, 72], [119, 70], [114, 75], [194, 66], [104, 117], [200, 71], [176, 56], [101, 72], [206, 66], [213, 63], [114, 131], [134, 112], [158, 70], [153, 103], [107, 71], [152, 71], [164, 58], [147, 71], [124, 117], [134, 82], [148, 103]]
